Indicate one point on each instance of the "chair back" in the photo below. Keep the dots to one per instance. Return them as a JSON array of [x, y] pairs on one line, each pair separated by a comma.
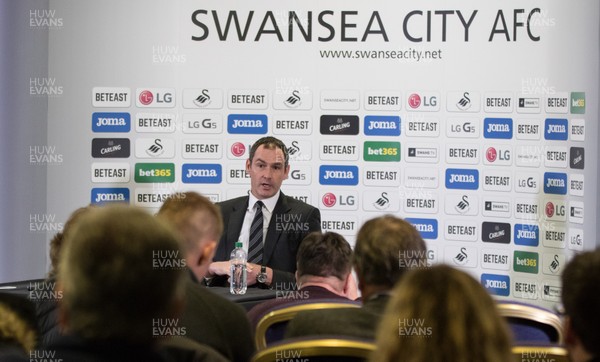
[[531, 323], [554, 353], [323, 349], [271, 327]]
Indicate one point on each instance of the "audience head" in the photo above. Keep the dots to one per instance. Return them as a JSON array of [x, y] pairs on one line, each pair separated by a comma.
[[56, 243], [200, 225], [113, 287], [442, 314], [17, 323], [581, 300], [324, 256], [386, 247]]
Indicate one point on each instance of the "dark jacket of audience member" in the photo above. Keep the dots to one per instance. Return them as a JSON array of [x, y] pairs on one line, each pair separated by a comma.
[[386, 247], [324, 266], [581, 301]]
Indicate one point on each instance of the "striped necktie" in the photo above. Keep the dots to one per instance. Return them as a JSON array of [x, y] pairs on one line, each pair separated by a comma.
[[255, 244]]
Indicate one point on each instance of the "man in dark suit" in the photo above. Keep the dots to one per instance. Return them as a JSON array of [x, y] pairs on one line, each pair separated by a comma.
[[386, 247], [269, 224], [208, 318]]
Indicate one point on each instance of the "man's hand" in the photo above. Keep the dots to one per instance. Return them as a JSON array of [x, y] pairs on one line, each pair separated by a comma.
[[218, 268], [254, 269]]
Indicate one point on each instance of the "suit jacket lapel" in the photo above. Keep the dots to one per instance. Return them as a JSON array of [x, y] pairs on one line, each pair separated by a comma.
[[273, 235]]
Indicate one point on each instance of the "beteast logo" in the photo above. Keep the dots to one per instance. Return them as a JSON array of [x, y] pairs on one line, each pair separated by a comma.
[[577, 158], [339, 124], [500, 128], [496, 284], [494, 232], [428, 228], [381, 151], [155, 97], [464, 179], [111, 122], [101, 196], [111, 147], [247, 124], [201, 173], [338, 175], [527, 234], [154, 172], [526, 262], [382, 126], [555, 183], [556, 129]]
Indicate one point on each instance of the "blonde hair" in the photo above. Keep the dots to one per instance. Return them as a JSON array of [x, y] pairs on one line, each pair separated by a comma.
[[441, 314], [14, 330], [194, 216]]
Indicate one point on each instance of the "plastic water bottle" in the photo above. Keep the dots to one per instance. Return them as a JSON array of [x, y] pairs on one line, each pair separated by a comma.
[[238, 282]]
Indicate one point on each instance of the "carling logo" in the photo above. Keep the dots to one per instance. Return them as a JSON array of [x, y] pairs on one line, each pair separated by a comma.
[[247, 124], [382, 126], [428, 228], [496, 284], [464, 179], [500, 128], [556, 129], [339, 124], [111, 122], [110, 147], [101, 196], [338, 175], [555, 183], [495, 232]]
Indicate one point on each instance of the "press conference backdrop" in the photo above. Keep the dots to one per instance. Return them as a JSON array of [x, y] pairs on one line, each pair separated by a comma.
[[472, 121]]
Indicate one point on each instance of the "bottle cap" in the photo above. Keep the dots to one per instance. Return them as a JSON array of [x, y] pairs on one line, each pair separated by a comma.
[[238, 244]]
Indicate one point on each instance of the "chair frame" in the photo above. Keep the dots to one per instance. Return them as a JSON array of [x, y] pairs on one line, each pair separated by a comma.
[[288, 313], [319, 347], [517, 310], [552, 352]]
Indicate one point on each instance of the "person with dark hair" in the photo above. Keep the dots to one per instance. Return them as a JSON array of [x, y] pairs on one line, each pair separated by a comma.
[[269, 224], [121, 280], [386, 248], [44, 294], [208, 318], [581, 300], [442, 314], [324, 273]]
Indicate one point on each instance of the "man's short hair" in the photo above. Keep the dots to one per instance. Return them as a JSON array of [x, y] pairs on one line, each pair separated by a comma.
[[270, 143], [386, 247], [114, 277], [56, 243], [324, 255], [580, 298], [179, 209]]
